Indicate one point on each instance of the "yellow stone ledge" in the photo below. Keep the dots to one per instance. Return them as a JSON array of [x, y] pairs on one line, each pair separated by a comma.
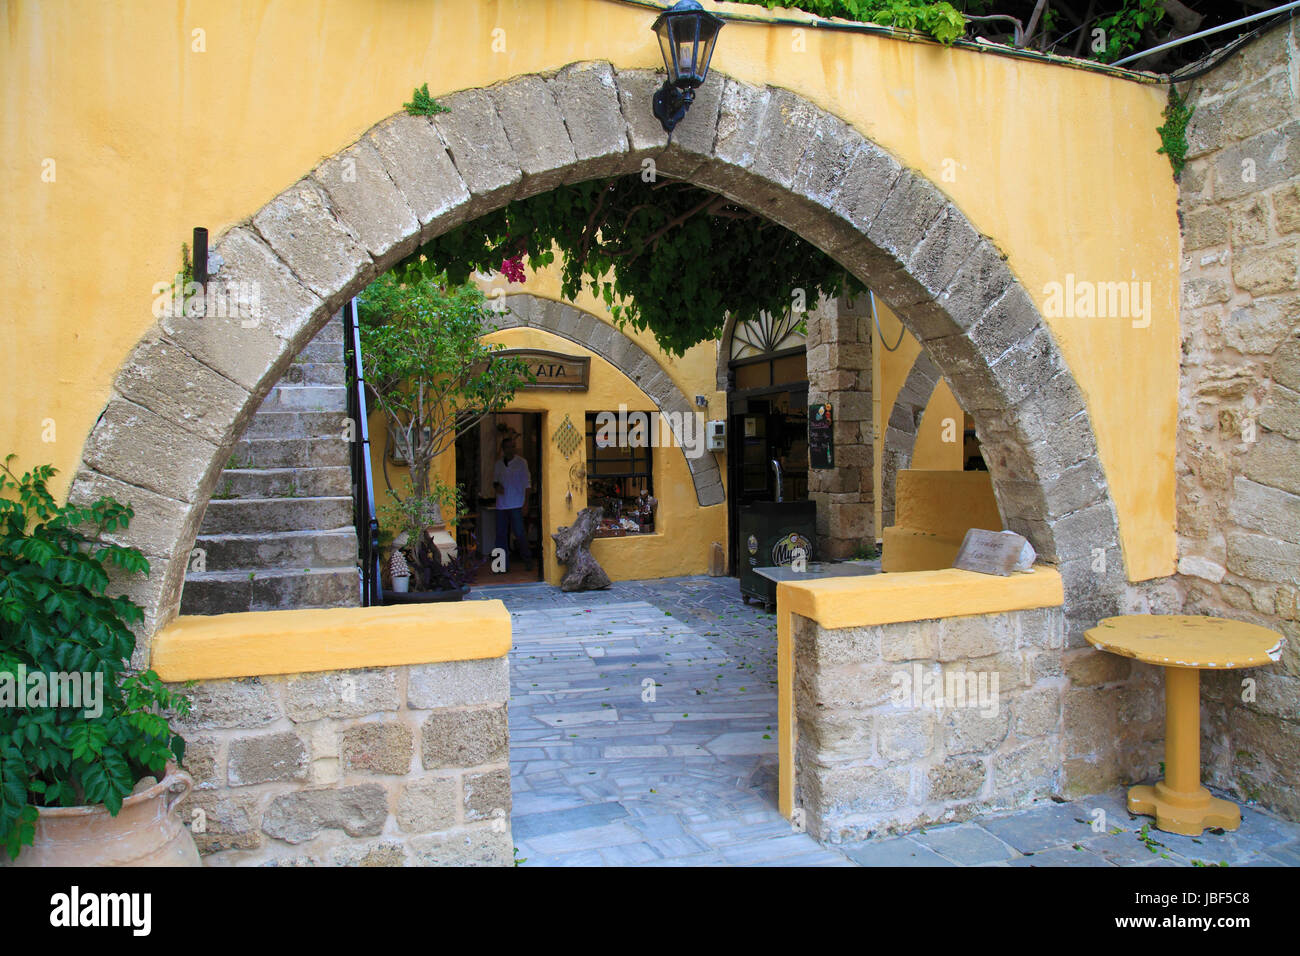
[[263, 643], [919, 596]]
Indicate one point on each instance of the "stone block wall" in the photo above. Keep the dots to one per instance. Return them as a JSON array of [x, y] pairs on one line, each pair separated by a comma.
[[389, 766], [1239, 424], [839, 372], [874, 752]]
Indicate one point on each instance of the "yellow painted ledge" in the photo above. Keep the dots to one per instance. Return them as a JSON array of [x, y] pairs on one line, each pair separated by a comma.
[[919, 596], [262, 643], [889, 599]]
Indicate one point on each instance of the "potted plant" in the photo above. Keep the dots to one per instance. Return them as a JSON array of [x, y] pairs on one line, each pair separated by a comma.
[[87, 756], [399, 571]]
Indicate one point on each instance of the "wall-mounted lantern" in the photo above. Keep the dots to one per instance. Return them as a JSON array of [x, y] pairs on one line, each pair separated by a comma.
[[686, 37]]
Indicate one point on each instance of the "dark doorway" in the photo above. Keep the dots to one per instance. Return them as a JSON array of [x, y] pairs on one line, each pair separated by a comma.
[[477, 451], [767, 409]]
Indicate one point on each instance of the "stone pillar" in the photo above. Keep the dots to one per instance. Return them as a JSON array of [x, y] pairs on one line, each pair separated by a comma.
[[839, 372]]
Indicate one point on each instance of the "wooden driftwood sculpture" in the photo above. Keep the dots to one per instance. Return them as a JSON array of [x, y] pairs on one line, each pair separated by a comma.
[[573, 549]]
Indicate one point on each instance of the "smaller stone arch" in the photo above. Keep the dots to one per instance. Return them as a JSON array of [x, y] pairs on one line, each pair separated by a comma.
[[525, 310], [902, 428]]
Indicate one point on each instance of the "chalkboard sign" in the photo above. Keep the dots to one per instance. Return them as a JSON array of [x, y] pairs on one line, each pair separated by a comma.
[[821, 441]]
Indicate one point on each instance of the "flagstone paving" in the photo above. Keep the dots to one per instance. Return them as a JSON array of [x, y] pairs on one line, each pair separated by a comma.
[[643, 733]]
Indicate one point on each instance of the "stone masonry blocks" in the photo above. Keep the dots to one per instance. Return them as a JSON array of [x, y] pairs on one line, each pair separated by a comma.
[[419, 165], [304, 231], [369, 202], [326, 768], [588, 98], [534, 125], [926, 721], [277, 316], [480, 149]]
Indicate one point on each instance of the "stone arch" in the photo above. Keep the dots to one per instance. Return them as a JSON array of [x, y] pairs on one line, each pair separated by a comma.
[[185, 393], [581, 327], [902, 427]]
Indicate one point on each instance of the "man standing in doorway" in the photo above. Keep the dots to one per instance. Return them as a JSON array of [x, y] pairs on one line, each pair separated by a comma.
[[511, 480]]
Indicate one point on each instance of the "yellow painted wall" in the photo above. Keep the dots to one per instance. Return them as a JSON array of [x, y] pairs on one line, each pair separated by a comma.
[[151, 136], [935, 509], [684, 531], [889, 371]]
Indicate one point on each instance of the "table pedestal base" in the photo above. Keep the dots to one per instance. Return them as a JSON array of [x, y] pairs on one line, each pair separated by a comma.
[[1185, 813]]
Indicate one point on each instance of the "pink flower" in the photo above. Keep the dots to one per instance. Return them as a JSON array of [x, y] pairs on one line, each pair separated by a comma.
[[513, 269]]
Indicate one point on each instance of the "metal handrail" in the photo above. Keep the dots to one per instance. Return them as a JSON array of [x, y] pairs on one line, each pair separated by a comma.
[[363, 491]]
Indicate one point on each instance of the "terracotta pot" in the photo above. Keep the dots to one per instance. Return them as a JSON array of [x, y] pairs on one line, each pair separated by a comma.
[[145, 832]]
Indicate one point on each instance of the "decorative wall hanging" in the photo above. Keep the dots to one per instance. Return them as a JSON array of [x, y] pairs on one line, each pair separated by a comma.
[[566, 438]]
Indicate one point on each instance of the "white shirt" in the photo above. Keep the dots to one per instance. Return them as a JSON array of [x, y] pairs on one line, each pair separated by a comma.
[[514, 481]]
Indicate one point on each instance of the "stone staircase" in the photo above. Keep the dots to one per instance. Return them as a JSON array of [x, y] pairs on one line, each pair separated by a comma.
[[278, 532]]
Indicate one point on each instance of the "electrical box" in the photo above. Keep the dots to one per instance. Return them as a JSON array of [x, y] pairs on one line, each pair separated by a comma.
[[715, 435]]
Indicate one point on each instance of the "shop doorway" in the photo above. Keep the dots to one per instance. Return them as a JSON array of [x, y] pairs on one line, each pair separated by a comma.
[[767, 453], [478, 449]]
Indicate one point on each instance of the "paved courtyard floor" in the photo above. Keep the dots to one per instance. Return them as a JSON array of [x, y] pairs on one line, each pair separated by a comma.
[[643, 733]]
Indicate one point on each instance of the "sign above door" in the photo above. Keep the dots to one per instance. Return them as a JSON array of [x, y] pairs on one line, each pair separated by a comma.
[[552, 369]]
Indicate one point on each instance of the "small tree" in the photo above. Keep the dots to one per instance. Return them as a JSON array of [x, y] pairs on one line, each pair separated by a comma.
[[429, 372]]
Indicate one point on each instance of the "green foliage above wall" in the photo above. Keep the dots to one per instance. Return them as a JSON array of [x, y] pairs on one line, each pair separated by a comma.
[[663, 255]]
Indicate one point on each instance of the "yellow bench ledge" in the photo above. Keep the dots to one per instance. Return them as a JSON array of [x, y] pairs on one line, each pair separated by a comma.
[[918, 596], [262, 643]]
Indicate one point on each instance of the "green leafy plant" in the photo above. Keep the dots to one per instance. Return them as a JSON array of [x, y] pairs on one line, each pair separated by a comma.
[[422, 104], [940, 20], [410, 514], [1173, 134], [1123, 29], [665, 256], [56, 618]]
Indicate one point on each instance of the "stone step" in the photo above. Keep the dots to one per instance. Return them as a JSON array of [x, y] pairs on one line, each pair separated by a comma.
[[331, 331], [238, 483], [227, 592], [284, 550], [314, 373], [264, 453], [250, 515], [282, 424], [306, 398], [323, 352]]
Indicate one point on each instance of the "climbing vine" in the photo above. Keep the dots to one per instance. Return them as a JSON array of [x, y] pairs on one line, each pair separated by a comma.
[[1173, 134], [663, 255]]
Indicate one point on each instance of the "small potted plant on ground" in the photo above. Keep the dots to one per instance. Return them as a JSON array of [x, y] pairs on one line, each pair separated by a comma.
[[87, 756], [399, 572]]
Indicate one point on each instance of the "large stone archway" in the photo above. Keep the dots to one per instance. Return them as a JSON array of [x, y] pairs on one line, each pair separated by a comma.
[[643, 369], [184, 395]]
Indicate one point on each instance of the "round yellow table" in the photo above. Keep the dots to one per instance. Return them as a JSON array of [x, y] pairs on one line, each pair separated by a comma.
[[1183, 646]]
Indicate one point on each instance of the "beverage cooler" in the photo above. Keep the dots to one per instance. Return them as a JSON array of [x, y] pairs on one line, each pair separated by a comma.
[[770, 533]]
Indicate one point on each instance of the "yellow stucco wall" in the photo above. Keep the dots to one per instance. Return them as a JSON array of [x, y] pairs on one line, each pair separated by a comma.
[[935, 510], [890, 369], [149, 135]]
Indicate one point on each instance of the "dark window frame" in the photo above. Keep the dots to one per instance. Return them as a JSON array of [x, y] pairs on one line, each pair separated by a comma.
[[636, 456]]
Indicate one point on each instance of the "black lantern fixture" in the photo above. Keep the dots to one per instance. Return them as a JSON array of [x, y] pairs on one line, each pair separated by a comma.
[[686, 37]]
